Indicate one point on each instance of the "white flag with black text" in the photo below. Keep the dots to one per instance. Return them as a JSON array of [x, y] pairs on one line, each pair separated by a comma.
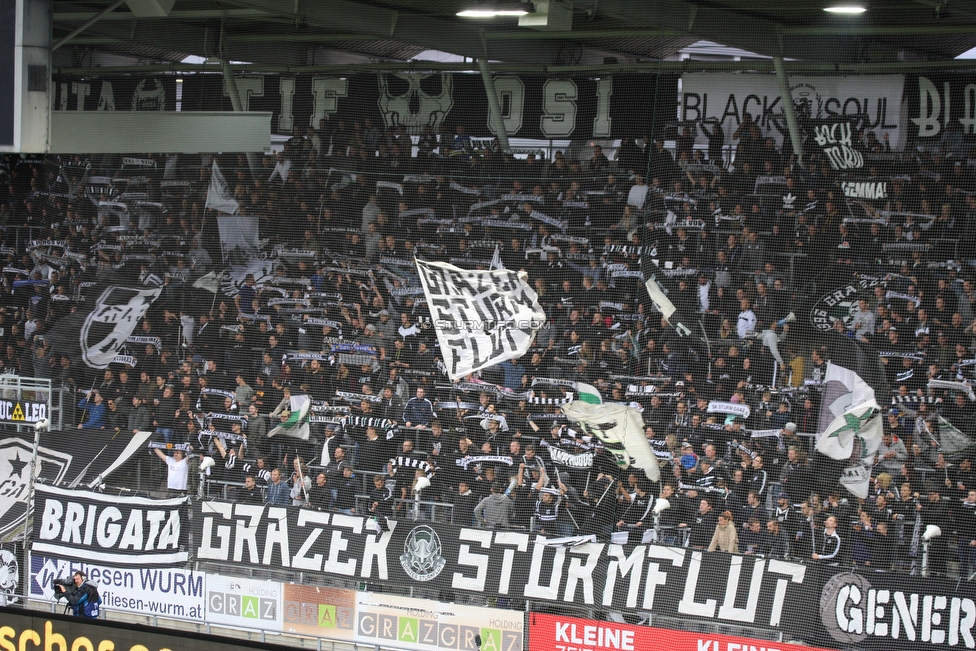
[[219, 196], [481, 317]]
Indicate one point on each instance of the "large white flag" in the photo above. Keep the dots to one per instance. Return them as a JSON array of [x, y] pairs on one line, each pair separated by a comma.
[[851, 420], [621, 428], [481, 317], [219, 196]]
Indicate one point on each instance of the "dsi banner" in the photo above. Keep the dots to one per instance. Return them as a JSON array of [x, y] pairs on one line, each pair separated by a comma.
[[555, 633], [109, 529], [509, 564], [714, 96], [166, 592], [533, 106]]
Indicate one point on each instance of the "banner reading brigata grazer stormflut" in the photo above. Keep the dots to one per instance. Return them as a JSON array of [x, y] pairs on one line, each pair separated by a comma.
[[555, 633]]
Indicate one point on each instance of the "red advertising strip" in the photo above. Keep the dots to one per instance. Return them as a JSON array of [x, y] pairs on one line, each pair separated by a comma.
[[554, 633]]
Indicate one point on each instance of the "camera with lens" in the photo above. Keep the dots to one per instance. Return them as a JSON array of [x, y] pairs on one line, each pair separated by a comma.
[[68, 584]]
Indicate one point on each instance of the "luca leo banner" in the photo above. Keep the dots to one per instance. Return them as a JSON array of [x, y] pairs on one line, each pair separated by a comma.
[[555, 633], [110, 529]]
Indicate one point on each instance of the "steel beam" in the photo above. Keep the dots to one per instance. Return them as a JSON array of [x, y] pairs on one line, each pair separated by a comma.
[[788, 109], [515, 68], [88, 23], [494, 106], [235, 102]]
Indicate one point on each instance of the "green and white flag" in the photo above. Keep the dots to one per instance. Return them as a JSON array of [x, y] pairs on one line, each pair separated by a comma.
[[851, 423], [588, 393], [296, 425], [621, 429]]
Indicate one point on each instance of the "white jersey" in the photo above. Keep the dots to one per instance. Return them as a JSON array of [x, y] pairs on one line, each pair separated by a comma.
[[179, 473]]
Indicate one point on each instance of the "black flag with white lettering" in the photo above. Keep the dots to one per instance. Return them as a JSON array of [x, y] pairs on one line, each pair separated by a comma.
[[838, 140], [112, 529], [94, 334], [64, 459]]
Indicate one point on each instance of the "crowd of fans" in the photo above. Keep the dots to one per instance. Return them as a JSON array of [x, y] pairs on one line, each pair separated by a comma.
[[342, 212]]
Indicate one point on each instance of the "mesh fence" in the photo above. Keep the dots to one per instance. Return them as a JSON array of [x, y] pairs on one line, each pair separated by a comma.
[[660, 329]]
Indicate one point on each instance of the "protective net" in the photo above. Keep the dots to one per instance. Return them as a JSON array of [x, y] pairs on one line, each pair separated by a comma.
[[667, 315]]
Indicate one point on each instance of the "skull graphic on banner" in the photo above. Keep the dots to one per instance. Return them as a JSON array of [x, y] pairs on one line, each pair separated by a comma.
[[414, 101]]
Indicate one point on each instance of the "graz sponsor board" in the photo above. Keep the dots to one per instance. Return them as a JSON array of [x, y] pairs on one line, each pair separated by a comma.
[[424, 625], [166, 592], [511, 564], [106, 528], [892, 611], [555, 633], [251, 603], [318, 612]]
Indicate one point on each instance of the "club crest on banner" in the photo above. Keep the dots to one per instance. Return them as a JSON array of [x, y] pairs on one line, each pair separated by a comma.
[[117, 312], [15, 458], [840, 303], [422, 559]]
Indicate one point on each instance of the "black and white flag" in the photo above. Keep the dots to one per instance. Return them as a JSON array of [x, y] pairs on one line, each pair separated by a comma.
[[62, 458], [219, 196], [110, 529], [481, 317], [838, 141], [97, 331], [562, 457]]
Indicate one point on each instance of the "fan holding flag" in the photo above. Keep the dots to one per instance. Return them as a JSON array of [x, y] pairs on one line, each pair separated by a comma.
[[851, 424]]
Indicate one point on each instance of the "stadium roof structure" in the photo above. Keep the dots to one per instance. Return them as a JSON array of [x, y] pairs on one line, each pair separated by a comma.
[[577, 36]]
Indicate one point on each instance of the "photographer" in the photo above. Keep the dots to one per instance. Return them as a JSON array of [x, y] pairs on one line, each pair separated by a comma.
[[81, 595]]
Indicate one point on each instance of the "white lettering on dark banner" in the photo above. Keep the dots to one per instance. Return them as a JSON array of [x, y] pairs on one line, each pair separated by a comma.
[[512, 564], [97, 527], [835, 141], [865, 189], [852, 611]]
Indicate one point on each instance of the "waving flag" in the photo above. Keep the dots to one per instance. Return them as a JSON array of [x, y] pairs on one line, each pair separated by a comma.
[[219, 196], [296, 425], [850, 416], [481, 317], [621, 428]]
